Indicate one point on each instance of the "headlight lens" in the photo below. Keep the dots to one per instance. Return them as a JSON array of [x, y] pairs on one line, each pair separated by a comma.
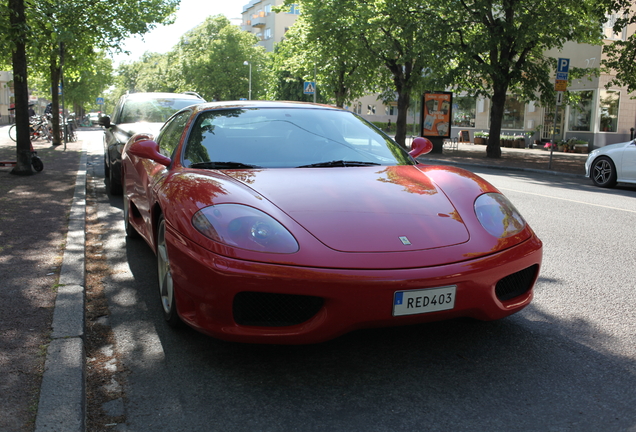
[[498, 216], [244, 227]]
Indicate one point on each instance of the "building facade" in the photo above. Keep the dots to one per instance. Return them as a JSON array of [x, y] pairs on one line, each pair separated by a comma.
[[6, 97], [270, 27]]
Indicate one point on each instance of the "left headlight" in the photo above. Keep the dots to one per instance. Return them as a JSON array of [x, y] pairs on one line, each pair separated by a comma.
[[498, 216], [244, 227]]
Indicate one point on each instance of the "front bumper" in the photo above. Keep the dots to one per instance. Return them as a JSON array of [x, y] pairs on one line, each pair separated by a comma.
[[207, 286]]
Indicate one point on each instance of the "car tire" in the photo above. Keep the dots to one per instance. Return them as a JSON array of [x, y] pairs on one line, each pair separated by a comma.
[[166, 286], [603, 172], [106, 167], [130, 230], [114, 184]]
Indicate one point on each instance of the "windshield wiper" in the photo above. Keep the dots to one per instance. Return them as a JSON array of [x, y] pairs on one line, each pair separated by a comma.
[[222, 165], [338, 163]]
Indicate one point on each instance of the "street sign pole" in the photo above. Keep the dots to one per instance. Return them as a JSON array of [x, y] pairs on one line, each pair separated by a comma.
[[560, 85]]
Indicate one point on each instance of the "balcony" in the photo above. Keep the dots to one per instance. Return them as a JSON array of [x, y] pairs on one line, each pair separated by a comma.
[[258, 19]]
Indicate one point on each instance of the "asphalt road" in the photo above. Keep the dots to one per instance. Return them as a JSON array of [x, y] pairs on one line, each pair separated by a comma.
[[565, 363]]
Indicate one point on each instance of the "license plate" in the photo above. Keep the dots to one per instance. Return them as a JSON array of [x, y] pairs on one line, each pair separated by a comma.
[[423, 301]]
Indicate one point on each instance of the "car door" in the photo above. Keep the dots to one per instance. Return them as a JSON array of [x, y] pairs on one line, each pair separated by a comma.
[[628, 163]]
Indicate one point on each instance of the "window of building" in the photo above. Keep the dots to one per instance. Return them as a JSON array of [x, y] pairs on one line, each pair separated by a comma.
[[390, 110], [513, 114], [268, 9], [464, 108], [608, 104], [268, 33], [294, 9], [608, 28], [370, 109], [580, 118]]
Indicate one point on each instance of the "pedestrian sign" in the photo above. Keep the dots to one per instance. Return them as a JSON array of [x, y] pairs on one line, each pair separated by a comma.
[[100, 101], [309, 87]]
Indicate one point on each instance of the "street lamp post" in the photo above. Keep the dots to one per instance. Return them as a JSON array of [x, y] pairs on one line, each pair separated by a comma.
[[246, 63]]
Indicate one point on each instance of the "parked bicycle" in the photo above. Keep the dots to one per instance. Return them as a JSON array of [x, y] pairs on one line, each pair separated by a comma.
[[40, 128]]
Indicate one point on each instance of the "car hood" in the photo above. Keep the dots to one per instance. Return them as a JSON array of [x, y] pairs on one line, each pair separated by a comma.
[[364, 209]]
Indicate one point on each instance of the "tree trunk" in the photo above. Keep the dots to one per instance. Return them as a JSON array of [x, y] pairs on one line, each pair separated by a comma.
[[403, 102], [493, 150], [21, 90]]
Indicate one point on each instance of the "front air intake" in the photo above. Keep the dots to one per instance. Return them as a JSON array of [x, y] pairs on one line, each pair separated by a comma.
[[274, 310], [516, 284]]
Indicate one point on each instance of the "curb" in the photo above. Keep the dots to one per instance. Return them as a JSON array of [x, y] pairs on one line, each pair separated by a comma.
[[62, 404]]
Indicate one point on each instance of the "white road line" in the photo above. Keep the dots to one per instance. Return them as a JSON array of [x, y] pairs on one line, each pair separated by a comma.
[[566, 199]]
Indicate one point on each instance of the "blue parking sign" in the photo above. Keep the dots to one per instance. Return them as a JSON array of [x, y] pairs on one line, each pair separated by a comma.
[[563, 65]]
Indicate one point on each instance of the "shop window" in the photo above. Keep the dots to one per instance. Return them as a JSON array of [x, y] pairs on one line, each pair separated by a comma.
[[608, 103], [513, 114], [390, 110], [580, 118], [464, 108]]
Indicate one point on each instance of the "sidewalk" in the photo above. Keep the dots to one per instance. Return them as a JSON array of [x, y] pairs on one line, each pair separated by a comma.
[[41, 290], [42, 276], [467, 155]]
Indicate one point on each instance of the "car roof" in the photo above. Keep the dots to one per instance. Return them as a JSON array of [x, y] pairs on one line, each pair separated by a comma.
[[163, 95], [262, 104]]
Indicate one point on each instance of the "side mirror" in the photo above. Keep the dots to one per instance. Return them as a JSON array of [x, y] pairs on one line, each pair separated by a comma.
[[420, 146], [104, 121], [145, 148]]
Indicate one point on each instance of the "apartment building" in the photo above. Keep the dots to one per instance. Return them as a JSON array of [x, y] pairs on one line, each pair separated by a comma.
[[268, 26]]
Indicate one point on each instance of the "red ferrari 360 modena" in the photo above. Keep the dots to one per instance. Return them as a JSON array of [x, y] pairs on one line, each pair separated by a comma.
[[280, 222]]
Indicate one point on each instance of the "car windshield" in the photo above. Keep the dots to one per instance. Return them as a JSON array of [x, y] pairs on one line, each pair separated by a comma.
[[152, 110], [287, 137]]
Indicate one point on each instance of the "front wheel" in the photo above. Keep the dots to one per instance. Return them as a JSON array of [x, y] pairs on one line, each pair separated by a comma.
[[114, 183], [12, 133], [603, 172], [130, 230], [166, 285]]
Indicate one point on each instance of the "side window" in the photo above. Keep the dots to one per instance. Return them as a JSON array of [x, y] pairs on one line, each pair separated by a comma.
[[171, 132], [117, 111]]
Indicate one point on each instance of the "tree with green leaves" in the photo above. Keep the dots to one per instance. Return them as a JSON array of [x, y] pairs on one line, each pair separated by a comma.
[[17, 31], [328, 52], [63, 36], [621, 54], [287, 77], [210, 59], [394, 39], [499, 46]]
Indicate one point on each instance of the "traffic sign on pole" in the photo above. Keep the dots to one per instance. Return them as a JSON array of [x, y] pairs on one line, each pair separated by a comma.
[[309, 87], [563, 65]]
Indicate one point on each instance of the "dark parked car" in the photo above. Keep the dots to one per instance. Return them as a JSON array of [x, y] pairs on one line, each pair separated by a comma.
[[137, 113]]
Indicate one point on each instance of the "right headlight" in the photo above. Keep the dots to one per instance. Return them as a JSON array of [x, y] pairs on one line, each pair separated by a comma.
[[498, 216], [244, 227]]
